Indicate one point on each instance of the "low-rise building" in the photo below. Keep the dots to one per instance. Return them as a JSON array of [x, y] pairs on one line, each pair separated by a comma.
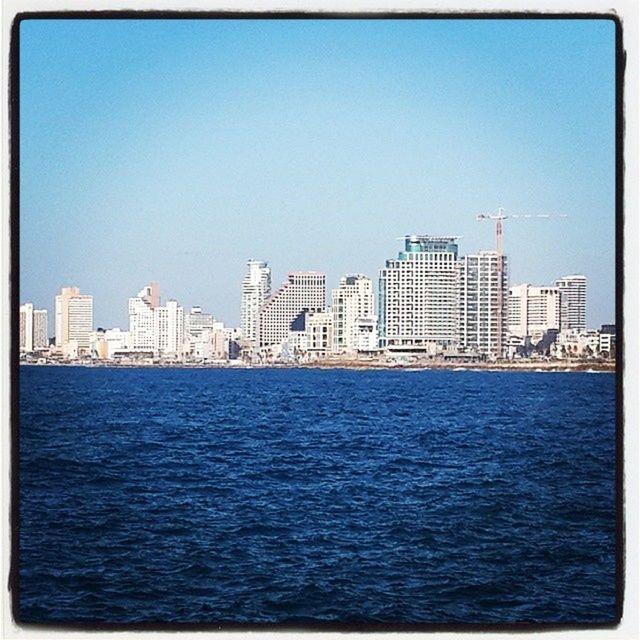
[[212, 344], [319, 330], [572, 343], [607, 346], [71, 350], [118, 342], [365, 333]]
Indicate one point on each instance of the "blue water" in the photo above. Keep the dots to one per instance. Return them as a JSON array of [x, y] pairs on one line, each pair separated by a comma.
[[212, 496]]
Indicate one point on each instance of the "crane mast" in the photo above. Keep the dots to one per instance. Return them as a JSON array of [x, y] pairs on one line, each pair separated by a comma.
[[500, 218]]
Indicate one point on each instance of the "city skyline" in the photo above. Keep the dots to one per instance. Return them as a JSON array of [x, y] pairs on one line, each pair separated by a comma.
[[162, 298], [459, 313], [173, 151]]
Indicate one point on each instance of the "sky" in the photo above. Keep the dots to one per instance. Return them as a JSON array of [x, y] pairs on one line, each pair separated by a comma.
[[176, 150]]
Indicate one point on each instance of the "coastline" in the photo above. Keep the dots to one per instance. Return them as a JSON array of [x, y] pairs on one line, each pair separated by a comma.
[[543, 366]]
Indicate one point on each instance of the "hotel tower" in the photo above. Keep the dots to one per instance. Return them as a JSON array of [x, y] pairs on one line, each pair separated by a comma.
[[74, 317], [303, 291], [418, 296]]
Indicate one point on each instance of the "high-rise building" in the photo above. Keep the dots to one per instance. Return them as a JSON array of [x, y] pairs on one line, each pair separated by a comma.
[[40, 329], [26, 327], [74, 318], [418, 295], [256, 289], [141, 317], [480, 295], [573, 302], [533, 310], [351, 302], [303, 291], [168, 328]]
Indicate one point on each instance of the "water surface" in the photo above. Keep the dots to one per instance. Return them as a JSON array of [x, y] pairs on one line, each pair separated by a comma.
[[209, 496]]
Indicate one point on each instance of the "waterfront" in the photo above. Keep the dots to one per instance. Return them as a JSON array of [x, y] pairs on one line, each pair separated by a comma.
[[288, 495], [589, 365]]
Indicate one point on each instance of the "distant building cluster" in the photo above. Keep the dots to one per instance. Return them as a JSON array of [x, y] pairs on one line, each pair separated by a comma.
[[430, 301], [163, 332]]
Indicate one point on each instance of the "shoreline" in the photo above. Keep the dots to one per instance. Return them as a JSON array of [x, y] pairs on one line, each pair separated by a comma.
[[362, 365]]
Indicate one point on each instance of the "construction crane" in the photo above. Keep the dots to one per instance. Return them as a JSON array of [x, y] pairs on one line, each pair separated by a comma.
[[499, 217]]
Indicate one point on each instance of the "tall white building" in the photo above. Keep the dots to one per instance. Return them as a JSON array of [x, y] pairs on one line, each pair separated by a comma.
[[40, 329], [256, 289], [26, 327], [481, 293], [573, 302], [74, 318], [533, 310], [168, 328], [303, 291], [351, 302], [141, 318], [418, 295]]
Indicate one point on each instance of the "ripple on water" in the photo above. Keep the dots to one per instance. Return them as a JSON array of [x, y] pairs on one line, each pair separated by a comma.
[[283, 495]]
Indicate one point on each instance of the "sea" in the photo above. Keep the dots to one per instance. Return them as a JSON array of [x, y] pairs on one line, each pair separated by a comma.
[[310, 497]]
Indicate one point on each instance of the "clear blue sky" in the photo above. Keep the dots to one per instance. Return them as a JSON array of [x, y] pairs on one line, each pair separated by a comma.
[[176, 150]]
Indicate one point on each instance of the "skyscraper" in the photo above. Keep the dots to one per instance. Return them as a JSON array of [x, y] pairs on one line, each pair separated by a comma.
[[26, 327], [480, 294], [256, 289], [74, 317], [34, 332], [573, 302], [168, 328], [418, 295], [141, 314], [40, 329], [350, 302], [303, 291]]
